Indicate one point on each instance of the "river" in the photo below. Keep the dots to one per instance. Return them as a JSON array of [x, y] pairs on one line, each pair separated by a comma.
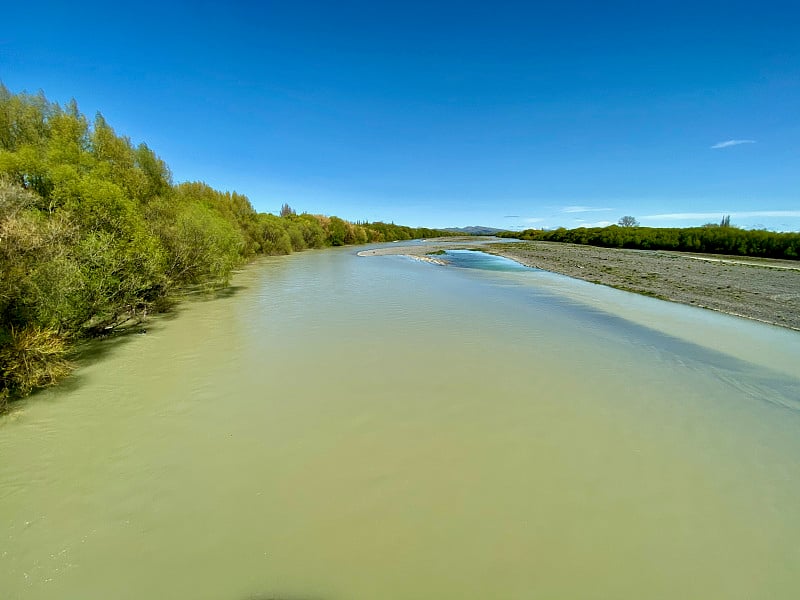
[[344, 427]]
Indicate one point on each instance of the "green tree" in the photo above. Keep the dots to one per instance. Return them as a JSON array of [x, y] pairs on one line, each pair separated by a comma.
[[337, 230], [275, 240]]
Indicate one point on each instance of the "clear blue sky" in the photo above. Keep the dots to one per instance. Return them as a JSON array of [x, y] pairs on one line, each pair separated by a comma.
[[508, 114]]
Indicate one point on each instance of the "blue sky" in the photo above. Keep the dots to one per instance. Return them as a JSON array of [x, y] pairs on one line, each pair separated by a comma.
[[507, 114]]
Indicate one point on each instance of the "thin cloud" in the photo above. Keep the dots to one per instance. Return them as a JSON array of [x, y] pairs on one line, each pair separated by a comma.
[[583, 209], [716, 215], [587, 224], [511, 216], [729, 143]]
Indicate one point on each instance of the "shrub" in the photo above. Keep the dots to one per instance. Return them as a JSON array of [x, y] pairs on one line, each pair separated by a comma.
[[31, 357]]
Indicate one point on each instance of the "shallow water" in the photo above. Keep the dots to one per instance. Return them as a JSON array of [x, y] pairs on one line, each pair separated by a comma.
[[377, 427]]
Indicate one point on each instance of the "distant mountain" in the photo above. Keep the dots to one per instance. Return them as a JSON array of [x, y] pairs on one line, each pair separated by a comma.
[[474, 230]]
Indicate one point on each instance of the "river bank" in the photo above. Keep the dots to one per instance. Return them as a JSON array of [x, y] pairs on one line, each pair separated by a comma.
[[765, 290]]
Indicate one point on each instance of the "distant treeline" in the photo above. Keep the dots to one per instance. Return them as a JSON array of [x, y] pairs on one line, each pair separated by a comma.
[[712, 239], [94, 234]]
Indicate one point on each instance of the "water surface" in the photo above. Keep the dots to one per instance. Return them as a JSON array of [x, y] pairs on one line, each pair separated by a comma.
[[347, 427]]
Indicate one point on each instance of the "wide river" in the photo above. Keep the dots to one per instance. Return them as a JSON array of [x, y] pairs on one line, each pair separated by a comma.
[[344, 427]]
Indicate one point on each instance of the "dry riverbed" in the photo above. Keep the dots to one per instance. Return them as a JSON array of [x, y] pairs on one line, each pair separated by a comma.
[[761, 289]]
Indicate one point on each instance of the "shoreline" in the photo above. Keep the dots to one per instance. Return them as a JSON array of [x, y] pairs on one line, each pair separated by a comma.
[[763, 290]]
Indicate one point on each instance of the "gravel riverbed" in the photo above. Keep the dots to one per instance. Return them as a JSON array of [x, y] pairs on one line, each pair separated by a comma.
[[762, 289]]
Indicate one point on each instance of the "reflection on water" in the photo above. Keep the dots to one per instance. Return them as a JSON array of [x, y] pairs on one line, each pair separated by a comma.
[[347, 427]]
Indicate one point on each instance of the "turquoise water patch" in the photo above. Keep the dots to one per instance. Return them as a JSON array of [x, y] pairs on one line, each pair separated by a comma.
[[473, 259]]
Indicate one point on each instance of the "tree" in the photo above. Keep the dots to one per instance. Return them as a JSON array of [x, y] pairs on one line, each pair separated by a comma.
[[628, 221], [274, 237], [287, 210], [337, 230], [726, 221]]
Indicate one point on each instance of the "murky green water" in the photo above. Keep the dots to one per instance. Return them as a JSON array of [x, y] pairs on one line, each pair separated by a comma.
[[379, 428]]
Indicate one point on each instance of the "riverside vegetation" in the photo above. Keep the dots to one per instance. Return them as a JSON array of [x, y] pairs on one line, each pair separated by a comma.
[[94, 234], [712, 239]]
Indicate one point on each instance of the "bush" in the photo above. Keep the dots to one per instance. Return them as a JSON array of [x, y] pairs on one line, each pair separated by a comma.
[[31, 357]]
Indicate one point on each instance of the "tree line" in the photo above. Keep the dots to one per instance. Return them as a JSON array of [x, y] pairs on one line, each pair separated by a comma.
[[711, 239], [94, 234]]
